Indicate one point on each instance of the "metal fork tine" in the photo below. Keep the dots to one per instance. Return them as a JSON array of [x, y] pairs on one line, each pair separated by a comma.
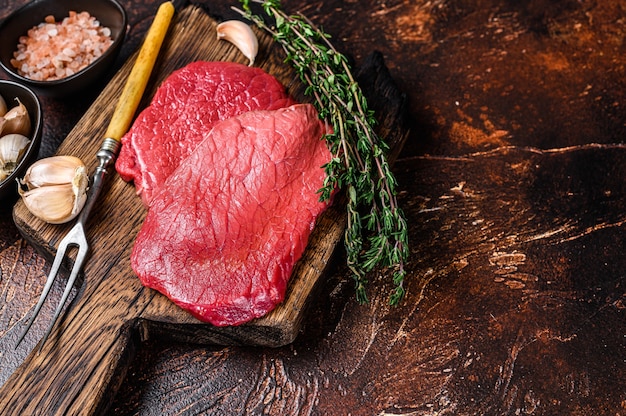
[[75, 237], [54, 270]]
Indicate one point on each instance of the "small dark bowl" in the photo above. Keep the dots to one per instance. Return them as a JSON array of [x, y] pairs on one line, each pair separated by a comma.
[[110, 14], [9, 91]]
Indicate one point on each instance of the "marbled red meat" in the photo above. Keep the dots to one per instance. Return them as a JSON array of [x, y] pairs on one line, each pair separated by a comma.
[[223, 233], [183, 110]]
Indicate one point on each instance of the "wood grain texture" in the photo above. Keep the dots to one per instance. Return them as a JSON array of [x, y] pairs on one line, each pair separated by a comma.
[[87, 354]]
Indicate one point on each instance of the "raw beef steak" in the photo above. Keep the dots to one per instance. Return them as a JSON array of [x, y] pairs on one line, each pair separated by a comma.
[[183, 110], [223, 233]]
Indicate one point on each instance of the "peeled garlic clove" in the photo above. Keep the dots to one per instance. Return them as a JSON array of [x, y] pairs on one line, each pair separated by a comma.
[[241, 35], [57, 188], [54, 170], [12, 148], [3, 107], [16, 120]]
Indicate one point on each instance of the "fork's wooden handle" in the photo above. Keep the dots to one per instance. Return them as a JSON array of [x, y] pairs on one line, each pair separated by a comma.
[[140, 74]]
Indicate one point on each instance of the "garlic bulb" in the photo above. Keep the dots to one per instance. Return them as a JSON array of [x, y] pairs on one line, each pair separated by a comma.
[[12, 147], [16, 120], [241, 35], [3, 106], [57, 188]]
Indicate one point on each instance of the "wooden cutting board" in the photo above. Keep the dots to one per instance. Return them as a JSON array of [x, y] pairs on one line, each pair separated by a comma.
[[85, 358]]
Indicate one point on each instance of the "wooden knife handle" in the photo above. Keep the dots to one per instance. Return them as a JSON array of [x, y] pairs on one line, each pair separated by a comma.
[[140, 74]]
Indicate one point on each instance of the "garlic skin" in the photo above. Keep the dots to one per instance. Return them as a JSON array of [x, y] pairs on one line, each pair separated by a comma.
[[12, 148], [16, 120], [3, 106], [57, 188], [241, 35], [55, 170]]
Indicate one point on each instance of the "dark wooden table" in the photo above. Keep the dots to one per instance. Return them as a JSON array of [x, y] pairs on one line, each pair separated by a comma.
[[513, 180]]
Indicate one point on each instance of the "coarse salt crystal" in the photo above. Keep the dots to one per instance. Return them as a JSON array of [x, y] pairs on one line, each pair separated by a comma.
[[63, 58], [69, 52]]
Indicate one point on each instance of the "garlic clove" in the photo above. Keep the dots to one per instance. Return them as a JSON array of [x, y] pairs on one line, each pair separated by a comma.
[[54, 170], [3, 107], [241, 35], [16, 120], [56, 188], [53, 204], [12, 148]]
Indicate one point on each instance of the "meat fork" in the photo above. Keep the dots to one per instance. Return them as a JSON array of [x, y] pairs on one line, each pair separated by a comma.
[[120, 121]]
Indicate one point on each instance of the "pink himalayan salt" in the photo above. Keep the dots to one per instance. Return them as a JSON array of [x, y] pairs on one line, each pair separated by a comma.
[[55, 50]]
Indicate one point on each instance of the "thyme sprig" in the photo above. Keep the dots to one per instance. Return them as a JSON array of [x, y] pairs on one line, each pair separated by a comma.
[[376, 232]]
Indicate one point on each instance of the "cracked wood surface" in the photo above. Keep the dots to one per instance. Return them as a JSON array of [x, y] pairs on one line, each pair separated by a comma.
[[513, 182]]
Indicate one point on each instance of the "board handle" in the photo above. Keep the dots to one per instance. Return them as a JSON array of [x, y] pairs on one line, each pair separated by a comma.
[[74, 374]]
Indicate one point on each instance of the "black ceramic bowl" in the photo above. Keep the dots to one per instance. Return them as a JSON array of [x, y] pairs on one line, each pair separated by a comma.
[[10, 90], [110, 14]]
